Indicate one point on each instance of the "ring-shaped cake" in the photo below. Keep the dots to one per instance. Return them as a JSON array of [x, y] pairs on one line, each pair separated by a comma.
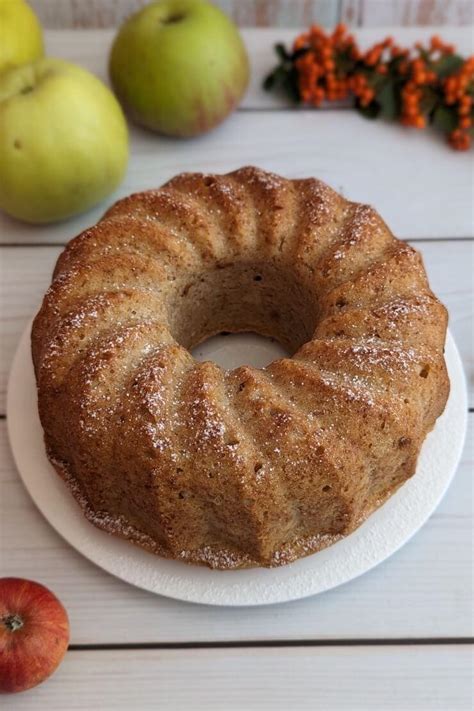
[[250, 466]]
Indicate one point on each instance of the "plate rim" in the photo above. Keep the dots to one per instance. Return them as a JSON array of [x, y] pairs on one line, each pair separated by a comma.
[[120, 549]]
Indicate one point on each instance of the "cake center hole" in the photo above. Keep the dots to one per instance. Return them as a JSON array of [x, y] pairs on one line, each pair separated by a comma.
[[231, 350], [243, 299]]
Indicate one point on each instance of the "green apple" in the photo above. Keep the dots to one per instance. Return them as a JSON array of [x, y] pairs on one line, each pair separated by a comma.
[[179, 66], [63, 141], [21, 39]]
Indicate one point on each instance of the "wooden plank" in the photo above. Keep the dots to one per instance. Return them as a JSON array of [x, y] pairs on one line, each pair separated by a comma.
[[425, 590], [25, 274], [259, 13], [63, 14], [373, 13], [446, 278], [367, 162], [337, 679]]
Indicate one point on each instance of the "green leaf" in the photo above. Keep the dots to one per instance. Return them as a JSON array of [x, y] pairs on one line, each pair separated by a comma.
[[388, 101], [284, 78], [276, 78], [344, 63], [448, 64], [370, 112], [445, 118], [429, 100], [290, 85], [298, 53], [281, 52], [270, 80]]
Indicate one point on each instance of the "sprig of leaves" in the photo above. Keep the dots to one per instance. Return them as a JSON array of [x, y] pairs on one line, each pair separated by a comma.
[[285, 75], [387, 102]]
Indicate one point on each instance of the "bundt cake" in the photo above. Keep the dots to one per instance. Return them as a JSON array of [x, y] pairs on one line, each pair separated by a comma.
[[244, 467]]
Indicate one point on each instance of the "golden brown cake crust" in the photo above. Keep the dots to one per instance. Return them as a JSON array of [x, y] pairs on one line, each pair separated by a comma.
[[245, 467]]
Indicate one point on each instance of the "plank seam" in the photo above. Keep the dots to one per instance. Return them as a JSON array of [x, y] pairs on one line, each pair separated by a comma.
[[32, 244], [272, 644]]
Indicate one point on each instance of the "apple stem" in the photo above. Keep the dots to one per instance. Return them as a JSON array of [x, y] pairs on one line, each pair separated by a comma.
[[172, 19], [12, 622]]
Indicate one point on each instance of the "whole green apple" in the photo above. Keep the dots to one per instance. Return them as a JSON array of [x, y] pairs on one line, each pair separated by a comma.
[[179, 66], [63, 141], [21, 39]]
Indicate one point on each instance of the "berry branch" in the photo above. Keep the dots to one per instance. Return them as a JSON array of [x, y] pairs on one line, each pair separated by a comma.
[[426, 85]]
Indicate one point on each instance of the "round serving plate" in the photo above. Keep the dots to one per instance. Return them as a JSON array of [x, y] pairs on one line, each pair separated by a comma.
[[381, 535]]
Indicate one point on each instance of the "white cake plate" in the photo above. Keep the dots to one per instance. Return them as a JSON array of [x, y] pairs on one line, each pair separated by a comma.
[[380, 536]]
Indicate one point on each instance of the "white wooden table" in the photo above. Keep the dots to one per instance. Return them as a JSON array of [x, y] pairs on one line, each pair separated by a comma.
[[397, 638]]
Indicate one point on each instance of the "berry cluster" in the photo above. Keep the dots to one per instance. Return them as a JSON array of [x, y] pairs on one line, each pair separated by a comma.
[[427, 85], [459, 94]]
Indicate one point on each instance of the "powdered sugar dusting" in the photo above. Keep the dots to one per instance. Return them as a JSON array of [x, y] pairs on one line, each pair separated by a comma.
[[392, 357], [355, 388], [393, 311], [318, 203], [268, 181]]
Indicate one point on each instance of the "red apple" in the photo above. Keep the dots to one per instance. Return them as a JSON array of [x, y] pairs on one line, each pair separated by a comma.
[[34, 634]]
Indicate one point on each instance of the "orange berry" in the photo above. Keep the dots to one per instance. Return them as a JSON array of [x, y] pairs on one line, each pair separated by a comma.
[[299, 43], [459, 140]]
